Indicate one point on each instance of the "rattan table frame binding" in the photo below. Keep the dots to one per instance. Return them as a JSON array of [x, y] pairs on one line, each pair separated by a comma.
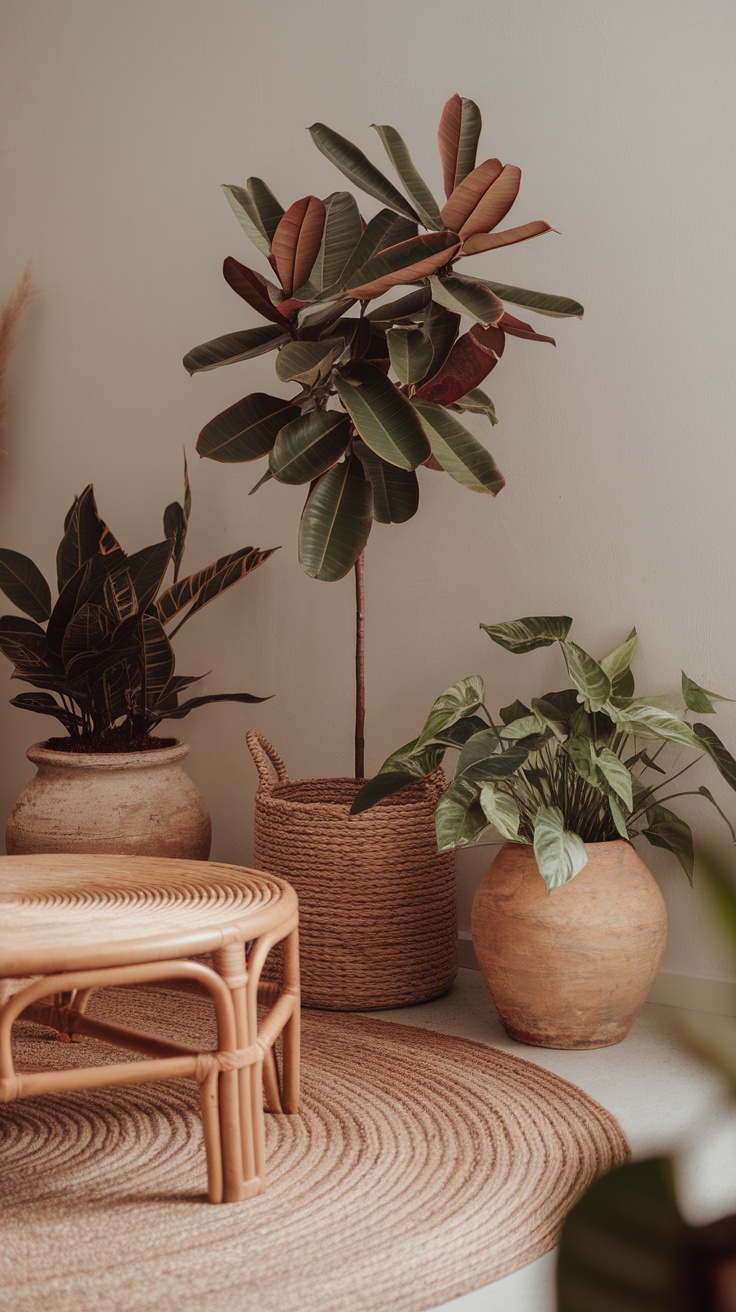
[[232, 1078]]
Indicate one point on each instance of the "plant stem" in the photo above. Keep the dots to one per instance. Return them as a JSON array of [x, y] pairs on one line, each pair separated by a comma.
[[359, 669]]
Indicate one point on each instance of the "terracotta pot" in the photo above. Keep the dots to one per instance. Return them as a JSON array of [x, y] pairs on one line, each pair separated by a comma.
[[130, 803], [570, 968]]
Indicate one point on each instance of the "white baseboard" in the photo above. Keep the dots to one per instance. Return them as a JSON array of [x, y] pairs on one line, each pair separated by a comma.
[[671, 988]]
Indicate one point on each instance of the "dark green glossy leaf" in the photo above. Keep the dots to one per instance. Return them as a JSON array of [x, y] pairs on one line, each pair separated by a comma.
[[395, 491], [24, 584], [460, 454], [521, 636], [385, 229], [459, 818], [176, 523], [257, 210], [667, 830], [482, 762], [699, 699], [385, 419], [559, 307], [410, 352], [342, 231], [441, 329], [336, 522], [404, 262], [309, 445], [517, 710], [624, 1246], [247, 429], [456, 735], [308, 362], [468, 296], [358, 169], [477, 403], [234, 347], [415, 186], [719, 754]]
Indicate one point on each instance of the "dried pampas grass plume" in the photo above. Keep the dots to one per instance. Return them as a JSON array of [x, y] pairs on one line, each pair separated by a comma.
[[8, 323]]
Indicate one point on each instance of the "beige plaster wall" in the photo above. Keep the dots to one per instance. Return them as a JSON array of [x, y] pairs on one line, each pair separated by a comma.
[[118, 121]]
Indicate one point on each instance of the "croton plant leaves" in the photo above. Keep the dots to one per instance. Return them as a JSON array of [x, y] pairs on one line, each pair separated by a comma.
[[24, 584]]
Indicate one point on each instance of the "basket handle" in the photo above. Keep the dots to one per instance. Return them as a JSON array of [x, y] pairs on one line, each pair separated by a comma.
[[267, 760]]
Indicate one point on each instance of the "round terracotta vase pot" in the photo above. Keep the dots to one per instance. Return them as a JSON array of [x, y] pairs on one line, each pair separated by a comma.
[[570, 968], [129, 803]]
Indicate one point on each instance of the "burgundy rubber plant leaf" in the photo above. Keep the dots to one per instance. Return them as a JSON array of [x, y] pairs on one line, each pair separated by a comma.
[[490, 241], [471, 360], [457, 138], [296, 242]]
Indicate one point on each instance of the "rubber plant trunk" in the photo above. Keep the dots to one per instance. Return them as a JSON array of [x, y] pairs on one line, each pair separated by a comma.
[[129, 803], [571, 968]]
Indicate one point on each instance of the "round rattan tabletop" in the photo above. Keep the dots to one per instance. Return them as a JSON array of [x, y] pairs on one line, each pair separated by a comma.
[[62, 912]]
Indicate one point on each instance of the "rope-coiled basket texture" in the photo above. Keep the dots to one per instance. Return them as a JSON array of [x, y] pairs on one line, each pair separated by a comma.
[[377, 901]]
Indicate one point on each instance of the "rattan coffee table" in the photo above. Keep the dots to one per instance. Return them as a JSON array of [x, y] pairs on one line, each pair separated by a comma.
[[76, 924]]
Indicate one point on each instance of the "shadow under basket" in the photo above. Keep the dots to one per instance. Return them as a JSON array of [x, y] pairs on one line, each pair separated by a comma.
[[377, 901]]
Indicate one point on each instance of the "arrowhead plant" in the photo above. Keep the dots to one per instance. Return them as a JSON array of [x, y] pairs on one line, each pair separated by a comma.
[[586, 764], [377, 385], [100, 659]]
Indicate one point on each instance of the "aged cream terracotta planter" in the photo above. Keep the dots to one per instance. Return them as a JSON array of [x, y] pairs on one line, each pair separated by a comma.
[[130, 803], [570, 968]]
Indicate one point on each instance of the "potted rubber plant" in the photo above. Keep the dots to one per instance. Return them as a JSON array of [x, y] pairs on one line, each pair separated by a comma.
[[100, 661], [376, 392], [568, 780]]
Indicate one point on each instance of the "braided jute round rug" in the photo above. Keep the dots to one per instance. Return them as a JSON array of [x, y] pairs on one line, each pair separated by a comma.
[[422, 1167]]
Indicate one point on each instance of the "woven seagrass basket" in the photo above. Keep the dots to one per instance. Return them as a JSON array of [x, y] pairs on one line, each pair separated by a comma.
[[377, 901]]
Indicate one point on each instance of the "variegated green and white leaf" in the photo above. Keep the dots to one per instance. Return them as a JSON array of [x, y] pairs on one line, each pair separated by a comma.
[[463, 698], [587, 675], [560, 853], [524, 635], [619, 660], [459, 817], [501, 811]]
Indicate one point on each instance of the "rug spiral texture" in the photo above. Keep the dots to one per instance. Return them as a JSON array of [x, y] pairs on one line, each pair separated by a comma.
[[422, 1167]]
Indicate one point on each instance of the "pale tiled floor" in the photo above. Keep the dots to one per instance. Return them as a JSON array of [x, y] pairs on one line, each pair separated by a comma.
[[662, 1096]]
